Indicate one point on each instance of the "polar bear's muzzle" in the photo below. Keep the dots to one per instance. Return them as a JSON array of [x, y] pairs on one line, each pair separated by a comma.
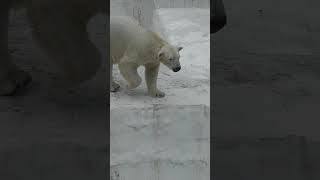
[[176, 69]]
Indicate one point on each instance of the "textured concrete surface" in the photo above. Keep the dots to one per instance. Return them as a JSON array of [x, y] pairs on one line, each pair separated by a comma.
[[160, 143], [182, 3]]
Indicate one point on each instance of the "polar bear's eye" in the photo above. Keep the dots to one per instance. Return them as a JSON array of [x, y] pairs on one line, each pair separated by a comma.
[[170, 59]]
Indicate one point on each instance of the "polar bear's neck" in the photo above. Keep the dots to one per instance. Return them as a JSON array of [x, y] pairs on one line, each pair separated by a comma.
[[159, 42], [156, 43]]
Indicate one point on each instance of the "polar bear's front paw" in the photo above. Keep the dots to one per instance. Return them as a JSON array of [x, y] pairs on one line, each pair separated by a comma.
[[157, 93], [114, 87], [134, 84]]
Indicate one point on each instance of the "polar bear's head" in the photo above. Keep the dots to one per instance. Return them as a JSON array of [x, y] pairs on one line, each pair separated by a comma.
[[169, 56]]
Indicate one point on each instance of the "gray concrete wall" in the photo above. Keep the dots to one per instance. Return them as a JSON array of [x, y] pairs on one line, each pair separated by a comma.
[[141, 10], [182, 3], [261, 26]]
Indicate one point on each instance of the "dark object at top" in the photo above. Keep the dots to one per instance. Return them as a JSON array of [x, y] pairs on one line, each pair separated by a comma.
[[218, 18]]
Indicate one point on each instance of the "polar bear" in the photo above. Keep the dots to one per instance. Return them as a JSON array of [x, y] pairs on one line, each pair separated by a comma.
[[133, 46], [59, 27]]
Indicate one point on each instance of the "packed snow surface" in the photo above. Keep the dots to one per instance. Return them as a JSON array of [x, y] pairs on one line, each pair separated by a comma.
[[167, 138], [190, 86]]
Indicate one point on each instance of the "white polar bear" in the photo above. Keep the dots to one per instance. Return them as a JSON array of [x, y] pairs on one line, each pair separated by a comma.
[[133, 46]]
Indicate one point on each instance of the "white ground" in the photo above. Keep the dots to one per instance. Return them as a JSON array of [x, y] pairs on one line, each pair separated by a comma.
[[190, 86], [167, 138], [160, 143]]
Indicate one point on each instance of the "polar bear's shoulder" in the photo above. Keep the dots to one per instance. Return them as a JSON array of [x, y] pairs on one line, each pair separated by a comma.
[[156, 38]]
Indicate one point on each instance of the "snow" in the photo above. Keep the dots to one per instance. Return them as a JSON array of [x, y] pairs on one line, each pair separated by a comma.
[[170, 133], [170, 136], [167, 138], [190, 86]]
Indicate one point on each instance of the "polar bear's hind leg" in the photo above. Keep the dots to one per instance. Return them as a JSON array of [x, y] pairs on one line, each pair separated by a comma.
[[129, 71]]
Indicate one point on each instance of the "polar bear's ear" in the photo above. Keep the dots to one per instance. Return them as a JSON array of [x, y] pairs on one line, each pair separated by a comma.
[[160, 53], [180, 48]]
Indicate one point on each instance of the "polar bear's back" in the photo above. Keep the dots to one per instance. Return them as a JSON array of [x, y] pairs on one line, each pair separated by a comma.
[[125, 33], [125, 27]]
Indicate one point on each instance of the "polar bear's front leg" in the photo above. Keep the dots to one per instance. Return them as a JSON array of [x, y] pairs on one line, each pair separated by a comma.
[[129, 71], [151, 75]]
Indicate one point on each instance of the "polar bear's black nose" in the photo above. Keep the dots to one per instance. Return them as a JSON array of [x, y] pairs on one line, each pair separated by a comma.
[[176, 69]]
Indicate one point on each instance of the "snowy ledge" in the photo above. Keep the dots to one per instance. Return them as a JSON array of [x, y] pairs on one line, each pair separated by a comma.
[[160, 139]]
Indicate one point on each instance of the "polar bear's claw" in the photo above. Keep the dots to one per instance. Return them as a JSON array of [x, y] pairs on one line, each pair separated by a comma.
[[158, 94]]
